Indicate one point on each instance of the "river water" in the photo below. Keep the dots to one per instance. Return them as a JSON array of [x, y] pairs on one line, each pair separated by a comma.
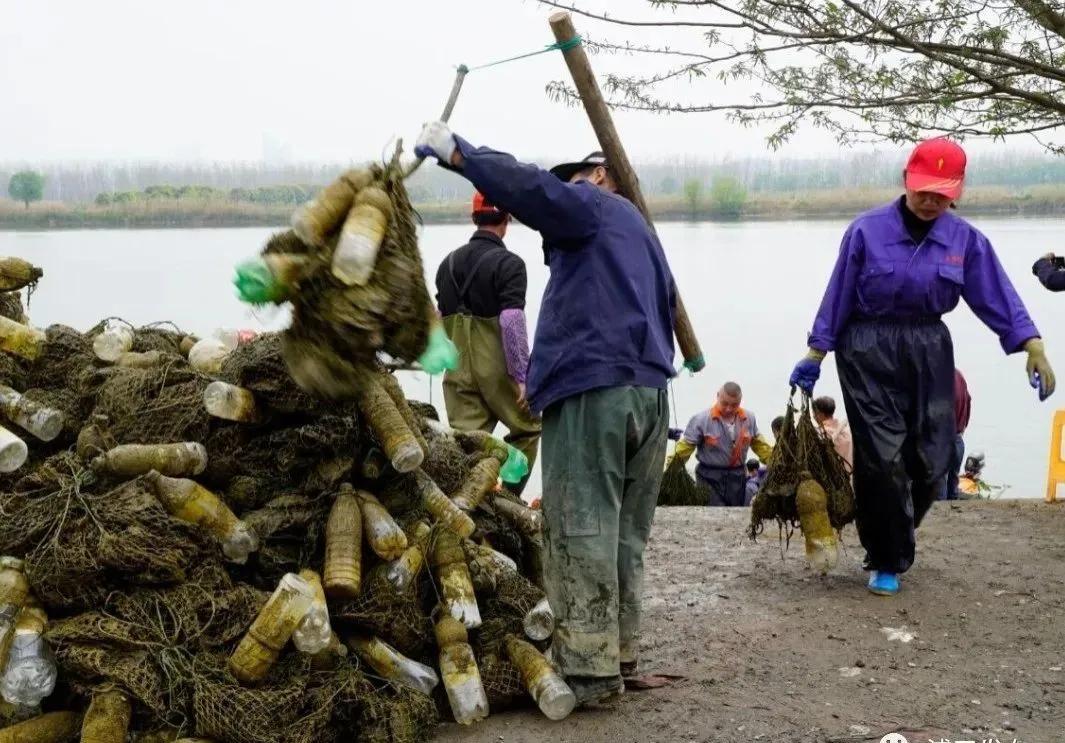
[[751, 289]]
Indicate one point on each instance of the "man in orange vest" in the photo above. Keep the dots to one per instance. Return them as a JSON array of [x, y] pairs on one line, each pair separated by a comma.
[[721, 437]]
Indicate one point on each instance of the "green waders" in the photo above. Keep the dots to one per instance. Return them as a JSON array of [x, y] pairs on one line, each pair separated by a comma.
[[480, 393], [603, 457]]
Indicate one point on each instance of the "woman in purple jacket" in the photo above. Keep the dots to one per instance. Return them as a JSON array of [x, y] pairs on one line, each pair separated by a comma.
[[901, 267]]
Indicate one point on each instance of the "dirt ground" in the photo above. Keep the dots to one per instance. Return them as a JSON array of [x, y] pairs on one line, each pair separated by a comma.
[[774, 653]]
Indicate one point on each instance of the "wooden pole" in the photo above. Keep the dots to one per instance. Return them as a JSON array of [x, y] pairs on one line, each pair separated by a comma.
[[456, 88], [624, 175]]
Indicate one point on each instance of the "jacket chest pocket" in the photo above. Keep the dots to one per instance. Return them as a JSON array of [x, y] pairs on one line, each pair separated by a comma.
[[711, 440], [946, 288], [876, 287]]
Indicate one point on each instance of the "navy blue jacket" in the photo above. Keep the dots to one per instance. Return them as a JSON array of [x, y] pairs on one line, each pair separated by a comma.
[[607, 314]]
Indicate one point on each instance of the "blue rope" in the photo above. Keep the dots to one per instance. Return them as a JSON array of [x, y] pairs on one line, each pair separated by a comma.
[[560, 45]]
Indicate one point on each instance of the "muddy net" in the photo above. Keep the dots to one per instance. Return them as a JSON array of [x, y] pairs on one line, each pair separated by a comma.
[[142, 597], [679, 488], [802, 452]]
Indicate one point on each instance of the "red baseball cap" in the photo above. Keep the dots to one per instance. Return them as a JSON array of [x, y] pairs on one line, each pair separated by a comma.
[[481, 205], [936, 165]]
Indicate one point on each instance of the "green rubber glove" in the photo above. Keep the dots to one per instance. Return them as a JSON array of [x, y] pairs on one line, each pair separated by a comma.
[[441, 354], [695, 365], [515, 468], [1040, 375], [256, 284]]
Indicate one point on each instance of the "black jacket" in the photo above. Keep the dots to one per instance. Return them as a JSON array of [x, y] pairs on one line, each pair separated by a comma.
[[1052, 277], [498, 281]]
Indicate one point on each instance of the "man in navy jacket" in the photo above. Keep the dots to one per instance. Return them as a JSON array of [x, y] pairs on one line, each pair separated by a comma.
[[601, 358]]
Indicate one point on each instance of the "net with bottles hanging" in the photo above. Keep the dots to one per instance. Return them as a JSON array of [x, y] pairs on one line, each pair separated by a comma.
[[142, 599], [679, 488], [802, 452]]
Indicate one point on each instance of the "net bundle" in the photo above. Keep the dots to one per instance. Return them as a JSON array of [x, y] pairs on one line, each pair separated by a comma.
[[802, 451]]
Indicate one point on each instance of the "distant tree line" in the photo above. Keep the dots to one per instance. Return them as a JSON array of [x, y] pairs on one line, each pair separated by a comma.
[[293, 184]]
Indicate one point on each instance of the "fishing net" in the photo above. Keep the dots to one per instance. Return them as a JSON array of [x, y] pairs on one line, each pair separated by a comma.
[[338, 330], [802, 451], [679, 488], [258, 366], [160, 405], [290, 530], [11, 306], [383, 610]]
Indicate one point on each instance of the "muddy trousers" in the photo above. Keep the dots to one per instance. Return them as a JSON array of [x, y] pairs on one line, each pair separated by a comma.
[[603, 454], [898, 388], [480, 393]]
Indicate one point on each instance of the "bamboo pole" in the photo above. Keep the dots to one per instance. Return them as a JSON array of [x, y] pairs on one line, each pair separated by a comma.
[[603, 124]]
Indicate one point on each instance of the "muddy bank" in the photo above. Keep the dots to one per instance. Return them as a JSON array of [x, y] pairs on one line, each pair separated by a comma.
[[773, 653]]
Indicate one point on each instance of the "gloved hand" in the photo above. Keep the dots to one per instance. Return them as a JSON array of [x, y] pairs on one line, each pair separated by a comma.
[[695, 365], [675, 434], [807, 371], [436, 140], [441, 354], [1040, 375]]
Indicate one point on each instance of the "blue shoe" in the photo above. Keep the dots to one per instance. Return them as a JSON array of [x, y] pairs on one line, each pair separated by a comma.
[[883, 584]]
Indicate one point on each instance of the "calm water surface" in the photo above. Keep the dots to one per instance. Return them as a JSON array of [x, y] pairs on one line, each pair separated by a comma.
[[751, 290]]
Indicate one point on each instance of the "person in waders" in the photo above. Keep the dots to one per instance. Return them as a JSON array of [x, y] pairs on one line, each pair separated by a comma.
[[480, 294], [601, 358], [901, 267]]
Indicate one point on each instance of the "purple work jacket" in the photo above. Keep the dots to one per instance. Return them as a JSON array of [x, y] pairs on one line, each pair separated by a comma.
[[881, 274]]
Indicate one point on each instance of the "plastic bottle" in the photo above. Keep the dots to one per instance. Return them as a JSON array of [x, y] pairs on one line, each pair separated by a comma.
[[14, 591], [43, 422], [231, 403], [555, 699], [184, 459], [527, 520], [314, 632], [140, 360], [233, 337], [107, 719], [822, 544], [442, 508], [461, 676], [52, 727], [400, 444], [379, 529], [271, 278], [487, 567], [540, 621], [403, 571], [271, 630], [31, 673], [453, 579], [393, 665], [13, 451], [189, 501], [374, 464], [187, 342], [17, 273], [318, 218], [342, 575], [482, 441], [516, 466], [207, 355], [361, 236], [115, 339], [21, 340], [482, 479], [94, 439]]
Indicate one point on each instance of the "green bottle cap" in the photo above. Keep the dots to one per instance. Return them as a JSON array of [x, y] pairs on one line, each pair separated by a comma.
[[256, 284], [441, 354], [515, 468]]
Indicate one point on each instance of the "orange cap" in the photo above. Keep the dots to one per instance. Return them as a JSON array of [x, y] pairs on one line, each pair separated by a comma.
[[481, 205]]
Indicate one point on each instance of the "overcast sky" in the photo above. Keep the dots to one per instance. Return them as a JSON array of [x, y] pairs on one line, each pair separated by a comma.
[[314, 80]]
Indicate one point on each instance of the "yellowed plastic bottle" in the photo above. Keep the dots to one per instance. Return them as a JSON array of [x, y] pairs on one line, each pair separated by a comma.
[[453, 579], [43, 422], [391, 664], [554, 697], [94, 439], [403, 571], [322, 216], [207, 355], [21, 340], [141, 359], [113, 341], [482, 480], [189, 501], [461, 676], [528, 521], [185, 459], [231, 403], [30, 674], [52, 727], [13, 451], [380, 530], [314, 632], [342, 575], [442, 508], [361, 236], [14, 592], [822, 545], [272, 629], [400, 444], [107, 719]]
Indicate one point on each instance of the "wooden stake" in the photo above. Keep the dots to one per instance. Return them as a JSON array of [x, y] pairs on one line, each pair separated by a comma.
[[603, 124]]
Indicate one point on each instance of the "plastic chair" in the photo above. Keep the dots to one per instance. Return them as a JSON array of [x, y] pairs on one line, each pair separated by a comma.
[[1056, 468]]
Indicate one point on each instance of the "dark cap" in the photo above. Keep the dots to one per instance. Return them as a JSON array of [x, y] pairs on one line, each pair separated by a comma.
[[565, 171]]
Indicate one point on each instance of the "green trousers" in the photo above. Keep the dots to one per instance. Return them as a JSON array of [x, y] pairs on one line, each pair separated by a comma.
[[480, 393], [603, 456]]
